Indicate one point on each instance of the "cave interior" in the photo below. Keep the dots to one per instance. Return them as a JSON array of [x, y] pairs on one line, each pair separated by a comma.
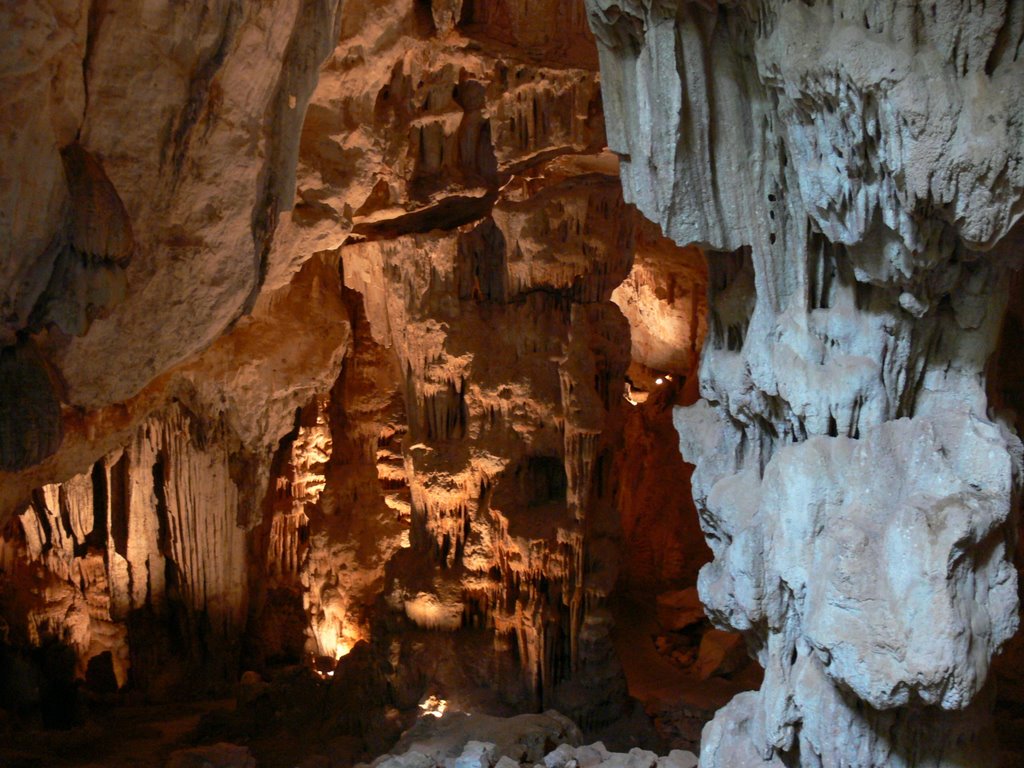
[[494, 383]]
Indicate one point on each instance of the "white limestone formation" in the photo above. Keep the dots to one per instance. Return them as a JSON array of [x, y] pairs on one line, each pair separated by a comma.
[[548, 740], [860, 166]]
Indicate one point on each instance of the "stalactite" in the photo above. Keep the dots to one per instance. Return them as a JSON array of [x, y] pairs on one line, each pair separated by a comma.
[[166, 499]]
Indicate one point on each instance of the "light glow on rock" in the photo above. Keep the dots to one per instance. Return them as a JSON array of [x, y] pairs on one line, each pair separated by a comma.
[[434, 706]]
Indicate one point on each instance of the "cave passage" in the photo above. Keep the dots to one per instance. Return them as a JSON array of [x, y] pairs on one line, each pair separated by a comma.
[[488, 383]]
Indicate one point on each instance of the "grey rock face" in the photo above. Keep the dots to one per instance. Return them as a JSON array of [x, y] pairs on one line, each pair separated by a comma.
[[860, 164]]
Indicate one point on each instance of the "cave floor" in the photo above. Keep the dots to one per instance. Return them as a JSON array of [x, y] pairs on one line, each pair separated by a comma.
[[675, 698], [123, 736]]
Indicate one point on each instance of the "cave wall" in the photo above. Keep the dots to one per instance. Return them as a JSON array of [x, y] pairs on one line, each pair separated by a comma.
[[487, 232], [664, 299], [180, 119], [853, 170], [316, 344], [140, 558], [152, 149]]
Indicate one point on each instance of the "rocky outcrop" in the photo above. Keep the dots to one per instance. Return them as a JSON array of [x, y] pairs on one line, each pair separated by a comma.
[[391, 412], [550, 739], [105, 561], [860, 168]]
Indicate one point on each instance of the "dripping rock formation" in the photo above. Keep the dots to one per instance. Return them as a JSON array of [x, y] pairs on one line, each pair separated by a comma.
[[342, 374], [856, 170], [320, 347]]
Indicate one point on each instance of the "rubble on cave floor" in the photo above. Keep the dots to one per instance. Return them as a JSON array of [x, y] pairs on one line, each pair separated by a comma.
[[679, 667]]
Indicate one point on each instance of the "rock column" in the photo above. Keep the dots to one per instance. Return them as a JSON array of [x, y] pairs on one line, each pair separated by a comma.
[[854, 170]]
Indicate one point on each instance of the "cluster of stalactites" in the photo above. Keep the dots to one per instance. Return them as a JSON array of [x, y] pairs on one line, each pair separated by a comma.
[[162, 508]]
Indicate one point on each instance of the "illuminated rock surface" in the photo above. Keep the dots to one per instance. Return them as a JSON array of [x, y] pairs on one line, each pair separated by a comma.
[[242, 433], [486, 742], [332, 353], [856, 491]]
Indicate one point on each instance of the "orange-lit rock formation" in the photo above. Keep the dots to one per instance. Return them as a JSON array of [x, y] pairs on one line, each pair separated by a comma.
[[252, 432]]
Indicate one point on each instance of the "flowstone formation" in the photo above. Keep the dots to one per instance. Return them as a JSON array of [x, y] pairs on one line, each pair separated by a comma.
[[309, 339], [857, 168], [464, 516]]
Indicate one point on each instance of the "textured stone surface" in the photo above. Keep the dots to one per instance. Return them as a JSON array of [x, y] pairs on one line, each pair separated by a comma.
[[102, 561], [550, 740], [679, 609], [480, 232], [860, 164], [392, 412], [663, 298], [523, 738], [498, 468], [193, 140]]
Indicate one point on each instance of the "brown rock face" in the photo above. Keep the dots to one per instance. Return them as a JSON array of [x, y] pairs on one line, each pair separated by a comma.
[[488, 232], [146, 553], [149, 532], [255, 433], [182, 119], [30, 419], [664, 300]]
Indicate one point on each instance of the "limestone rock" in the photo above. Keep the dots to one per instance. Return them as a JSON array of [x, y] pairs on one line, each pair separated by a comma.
[[488, 229], [664, 299], [411, 759], [391, 412], [476, 754], [720, 653], [515, 734], [224, 93], [679, 609], [166, 134], [42, 109], [454, 211], [641, 758], [523, 738], [829, 154], [678, 758], [129, 538], [560, 756]]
